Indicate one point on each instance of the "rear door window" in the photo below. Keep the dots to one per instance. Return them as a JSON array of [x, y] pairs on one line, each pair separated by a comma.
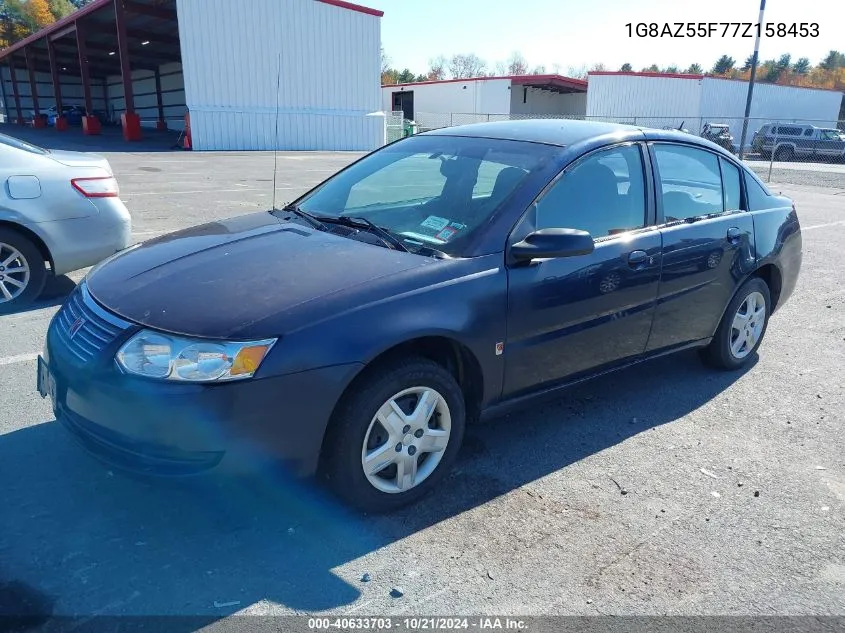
[[690, 181]]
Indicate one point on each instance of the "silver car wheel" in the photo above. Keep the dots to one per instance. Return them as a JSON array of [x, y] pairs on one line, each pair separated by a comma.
[[406, 439], [14, 273], [747, 326]]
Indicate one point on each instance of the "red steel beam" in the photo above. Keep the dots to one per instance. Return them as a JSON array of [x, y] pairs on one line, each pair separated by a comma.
[[159, 101], [123, 51], [83, 67], [15, 91], [140, 34], [62, 32], [54, 73], [33, 85]]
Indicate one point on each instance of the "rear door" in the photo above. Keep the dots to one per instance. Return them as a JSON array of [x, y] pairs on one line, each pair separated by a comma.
[[708, 241]]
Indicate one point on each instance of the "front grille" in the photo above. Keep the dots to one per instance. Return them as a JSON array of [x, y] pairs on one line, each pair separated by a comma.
[[98, 328]]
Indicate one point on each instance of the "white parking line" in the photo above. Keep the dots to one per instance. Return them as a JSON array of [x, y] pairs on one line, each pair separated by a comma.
[[194, 191], [822, 226], [20, 358]]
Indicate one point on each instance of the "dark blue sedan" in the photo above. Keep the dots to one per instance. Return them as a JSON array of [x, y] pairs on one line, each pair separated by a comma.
[[440, 279]]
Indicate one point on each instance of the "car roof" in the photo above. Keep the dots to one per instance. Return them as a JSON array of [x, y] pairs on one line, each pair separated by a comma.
[[566, 132], [550, 131]]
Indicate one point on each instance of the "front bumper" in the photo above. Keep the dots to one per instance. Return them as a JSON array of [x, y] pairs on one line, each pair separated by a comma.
[[173, 429]]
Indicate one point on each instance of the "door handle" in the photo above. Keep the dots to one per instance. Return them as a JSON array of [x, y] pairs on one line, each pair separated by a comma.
[[637, 258], [734, 235]]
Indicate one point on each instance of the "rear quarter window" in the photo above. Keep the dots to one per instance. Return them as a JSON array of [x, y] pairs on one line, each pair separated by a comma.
[[758, 197]]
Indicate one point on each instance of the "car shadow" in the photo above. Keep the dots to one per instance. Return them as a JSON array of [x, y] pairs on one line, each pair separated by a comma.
[[87, 540], [55, 291]]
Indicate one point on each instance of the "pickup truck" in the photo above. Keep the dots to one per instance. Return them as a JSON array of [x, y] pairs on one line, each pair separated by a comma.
[[787, 142]]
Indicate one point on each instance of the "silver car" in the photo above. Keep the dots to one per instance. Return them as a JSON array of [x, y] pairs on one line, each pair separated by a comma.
[[59, 212]]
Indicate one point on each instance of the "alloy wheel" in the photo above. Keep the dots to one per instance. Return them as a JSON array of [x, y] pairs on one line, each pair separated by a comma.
[[406, 439], [747, 326], [14, 273]]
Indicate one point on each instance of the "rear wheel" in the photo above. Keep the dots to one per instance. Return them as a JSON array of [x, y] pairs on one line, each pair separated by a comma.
[[22, 271], [395, 436], [742, 328], [784, 153]]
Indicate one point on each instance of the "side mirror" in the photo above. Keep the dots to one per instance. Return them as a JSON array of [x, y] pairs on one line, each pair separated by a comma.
[[553, 243]]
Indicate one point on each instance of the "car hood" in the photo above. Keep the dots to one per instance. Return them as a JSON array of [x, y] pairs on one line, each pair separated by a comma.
[[218, 279], [80, 159]]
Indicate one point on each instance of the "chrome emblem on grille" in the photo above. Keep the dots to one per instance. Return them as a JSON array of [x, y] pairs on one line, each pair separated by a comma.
[[75, 327]]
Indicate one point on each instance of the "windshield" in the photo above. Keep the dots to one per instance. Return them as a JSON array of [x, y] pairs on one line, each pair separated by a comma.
[[22, 145], [434, 191]]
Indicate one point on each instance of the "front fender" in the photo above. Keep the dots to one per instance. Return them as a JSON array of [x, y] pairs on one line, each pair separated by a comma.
[[468, 308]]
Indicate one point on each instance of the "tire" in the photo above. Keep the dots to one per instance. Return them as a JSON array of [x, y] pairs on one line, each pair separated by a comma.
[[354, 431], [720, 353], [784, 154], [17, 253]]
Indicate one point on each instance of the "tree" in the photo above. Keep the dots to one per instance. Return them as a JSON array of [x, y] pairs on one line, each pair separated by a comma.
[[38, 12], [598, 67], [61, 8], [385, 61], [784, 62], [801, 67], [832, 61], [538, 70], [577, 72], [467, 66], [406, 77], [672, 70], [654, 68], [626, 68], [724, 64], [556, 68], [436, 69], [748, 63], [516, 64], [695, 69]]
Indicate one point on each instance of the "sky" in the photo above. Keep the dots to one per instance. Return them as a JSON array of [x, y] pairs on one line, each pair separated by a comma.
[[574, 33]]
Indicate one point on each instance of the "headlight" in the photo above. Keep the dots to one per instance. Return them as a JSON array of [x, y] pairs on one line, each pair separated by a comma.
[[155, 355]]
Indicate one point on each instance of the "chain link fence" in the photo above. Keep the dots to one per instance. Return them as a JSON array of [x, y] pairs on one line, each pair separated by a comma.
[[793, 151]]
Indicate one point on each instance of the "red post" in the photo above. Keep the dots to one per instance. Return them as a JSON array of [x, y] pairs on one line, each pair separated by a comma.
[[90, 123], [61, 121], [129, 119], [16, 92], [37, 121]]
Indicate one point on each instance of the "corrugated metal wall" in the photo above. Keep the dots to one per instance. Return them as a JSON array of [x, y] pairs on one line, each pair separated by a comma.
[[71, 91], [146, 104], [652, 101], [724, 101], [330, 75]]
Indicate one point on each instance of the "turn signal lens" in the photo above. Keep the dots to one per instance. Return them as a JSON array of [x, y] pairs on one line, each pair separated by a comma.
[[248, 360]]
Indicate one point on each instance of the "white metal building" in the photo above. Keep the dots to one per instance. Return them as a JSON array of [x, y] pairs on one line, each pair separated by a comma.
[[328, 55], [233, 65], [457, 101], [661, 100]]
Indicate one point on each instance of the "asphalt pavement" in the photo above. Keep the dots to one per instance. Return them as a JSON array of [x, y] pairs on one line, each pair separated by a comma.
[[663, 489]]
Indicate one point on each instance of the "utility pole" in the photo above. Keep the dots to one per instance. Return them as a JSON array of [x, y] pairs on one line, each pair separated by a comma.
[[760, 26]]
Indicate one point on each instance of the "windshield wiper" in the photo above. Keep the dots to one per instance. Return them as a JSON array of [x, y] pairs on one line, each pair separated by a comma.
[[313, 220], [364, 223]]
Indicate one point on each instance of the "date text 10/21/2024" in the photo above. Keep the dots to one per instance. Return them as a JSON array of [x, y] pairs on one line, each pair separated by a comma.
[[722, 29], [416, 624]]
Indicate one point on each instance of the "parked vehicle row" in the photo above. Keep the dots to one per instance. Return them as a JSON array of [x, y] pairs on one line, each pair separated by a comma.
[[450, 276], [72, 113]]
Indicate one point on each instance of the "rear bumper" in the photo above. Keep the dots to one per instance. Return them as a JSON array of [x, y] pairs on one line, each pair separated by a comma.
[[81, 242], [167, 429]]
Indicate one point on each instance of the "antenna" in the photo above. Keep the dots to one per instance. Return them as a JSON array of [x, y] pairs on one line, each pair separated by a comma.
[[276, 134]]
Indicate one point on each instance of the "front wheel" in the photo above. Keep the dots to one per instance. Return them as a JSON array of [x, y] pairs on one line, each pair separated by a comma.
[[742, 327], [395, 436]]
